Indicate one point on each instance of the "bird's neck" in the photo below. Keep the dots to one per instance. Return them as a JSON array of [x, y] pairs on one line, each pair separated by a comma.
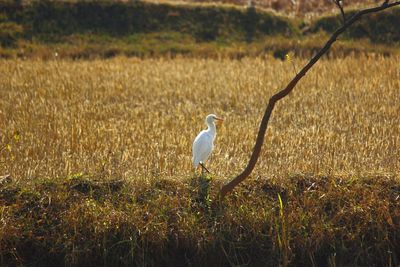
[[211, 128]]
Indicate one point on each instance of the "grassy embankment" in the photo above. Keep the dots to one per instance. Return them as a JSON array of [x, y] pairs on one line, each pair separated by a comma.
[[325, 192], [103, 29]]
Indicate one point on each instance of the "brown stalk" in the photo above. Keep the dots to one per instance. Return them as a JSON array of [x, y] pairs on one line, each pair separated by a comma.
[[284, 92]]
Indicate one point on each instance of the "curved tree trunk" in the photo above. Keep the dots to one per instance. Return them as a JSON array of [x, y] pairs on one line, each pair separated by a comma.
[[281, 94]]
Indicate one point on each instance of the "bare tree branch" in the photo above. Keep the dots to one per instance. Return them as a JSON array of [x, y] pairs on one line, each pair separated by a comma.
[[339, 4], [284, 92]]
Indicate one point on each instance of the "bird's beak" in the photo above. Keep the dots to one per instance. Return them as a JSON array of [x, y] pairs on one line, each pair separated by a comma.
[[219, 119]]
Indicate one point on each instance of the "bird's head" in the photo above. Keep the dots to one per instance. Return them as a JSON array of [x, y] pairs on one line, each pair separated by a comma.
[[210, 119]]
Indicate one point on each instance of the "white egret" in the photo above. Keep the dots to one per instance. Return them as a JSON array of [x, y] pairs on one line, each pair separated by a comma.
[[204, 142]]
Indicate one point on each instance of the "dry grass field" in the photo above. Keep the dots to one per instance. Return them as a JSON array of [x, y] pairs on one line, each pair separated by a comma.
[[138, 118], [331, 153]]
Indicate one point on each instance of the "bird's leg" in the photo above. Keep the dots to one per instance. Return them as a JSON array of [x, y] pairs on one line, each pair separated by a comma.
[[203, 168]]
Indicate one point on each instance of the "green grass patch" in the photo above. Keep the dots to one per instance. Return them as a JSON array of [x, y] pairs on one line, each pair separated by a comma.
[[299, 220], [172, 44]]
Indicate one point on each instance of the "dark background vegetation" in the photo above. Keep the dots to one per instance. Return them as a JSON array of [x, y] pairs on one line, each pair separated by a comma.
[[85, 29]]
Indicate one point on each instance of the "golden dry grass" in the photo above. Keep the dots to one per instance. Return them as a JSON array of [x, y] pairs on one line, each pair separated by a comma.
[[137, 118]]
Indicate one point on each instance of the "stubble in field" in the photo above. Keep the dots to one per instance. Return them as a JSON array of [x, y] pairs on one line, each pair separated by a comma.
[[137, 118]]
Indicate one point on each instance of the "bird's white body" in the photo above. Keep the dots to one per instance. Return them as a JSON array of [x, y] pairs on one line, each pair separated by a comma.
[[203, 144]]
